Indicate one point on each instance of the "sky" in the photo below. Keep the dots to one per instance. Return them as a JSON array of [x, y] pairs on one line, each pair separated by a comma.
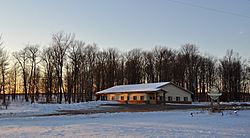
[[213, 25]]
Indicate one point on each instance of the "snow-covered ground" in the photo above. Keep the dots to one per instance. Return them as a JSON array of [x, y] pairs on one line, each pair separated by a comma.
[[15, 123], [147, 124], [222, 103], [21, 109]]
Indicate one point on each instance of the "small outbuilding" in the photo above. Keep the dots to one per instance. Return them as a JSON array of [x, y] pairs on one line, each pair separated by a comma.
[[150, 93]]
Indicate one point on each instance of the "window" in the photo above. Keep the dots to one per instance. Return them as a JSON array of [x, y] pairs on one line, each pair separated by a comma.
[[170, 98], [103, 98], [113, 98], [178, 98], [128, 98], [185, 98], [142, 98], [134, 97], [122, 97]]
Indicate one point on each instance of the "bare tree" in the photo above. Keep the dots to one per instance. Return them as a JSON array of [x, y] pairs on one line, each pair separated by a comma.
[[191, 59], [61, 43], [22, 59], [69, 83], [245, 81], [179, 70], [75, 53], [159, 53], [3, 66], [230, 73], [101, 70], [120, 76], [47, 60], [13, 73], [90, 52], [33, 54], [112, 62], [133, 66], [83, 75], [149, 67]]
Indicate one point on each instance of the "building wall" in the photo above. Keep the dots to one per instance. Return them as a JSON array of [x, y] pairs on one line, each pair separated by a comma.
[[174, 92], [125, 96]]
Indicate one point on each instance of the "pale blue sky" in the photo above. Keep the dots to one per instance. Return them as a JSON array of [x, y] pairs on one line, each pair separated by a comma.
[[128, 24]]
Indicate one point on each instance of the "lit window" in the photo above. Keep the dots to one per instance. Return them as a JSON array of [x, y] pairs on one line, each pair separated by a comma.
[[113, 98]]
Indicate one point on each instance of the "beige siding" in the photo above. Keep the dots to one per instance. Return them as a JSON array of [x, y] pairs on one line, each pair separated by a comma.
[[125, 95], [138, 96], [115, 96], [174, 92]]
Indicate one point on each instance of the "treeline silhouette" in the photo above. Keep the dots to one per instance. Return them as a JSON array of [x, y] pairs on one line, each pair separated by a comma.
[[69, 70]]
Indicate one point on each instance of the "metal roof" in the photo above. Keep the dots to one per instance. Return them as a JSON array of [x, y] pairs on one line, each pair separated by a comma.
[[148, 87]]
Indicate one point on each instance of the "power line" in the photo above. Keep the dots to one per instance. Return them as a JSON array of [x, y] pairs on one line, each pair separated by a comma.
[[210, 9]]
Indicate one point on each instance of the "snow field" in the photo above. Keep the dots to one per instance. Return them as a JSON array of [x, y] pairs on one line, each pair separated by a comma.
[[22, 109], [146, 124]]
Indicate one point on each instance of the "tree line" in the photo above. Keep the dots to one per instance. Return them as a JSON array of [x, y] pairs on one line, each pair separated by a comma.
[[69, 70]]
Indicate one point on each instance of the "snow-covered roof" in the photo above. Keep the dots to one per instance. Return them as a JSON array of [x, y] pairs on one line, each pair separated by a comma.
[[148, 87]]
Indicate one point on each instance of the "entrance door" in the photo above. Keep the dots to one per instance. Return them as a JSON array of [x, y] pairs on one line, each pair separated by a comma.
[[152, 98]]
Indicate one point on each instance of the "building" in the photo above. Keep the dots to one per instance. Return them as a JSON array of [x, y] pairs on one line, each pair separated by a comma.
[[151, 93]]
